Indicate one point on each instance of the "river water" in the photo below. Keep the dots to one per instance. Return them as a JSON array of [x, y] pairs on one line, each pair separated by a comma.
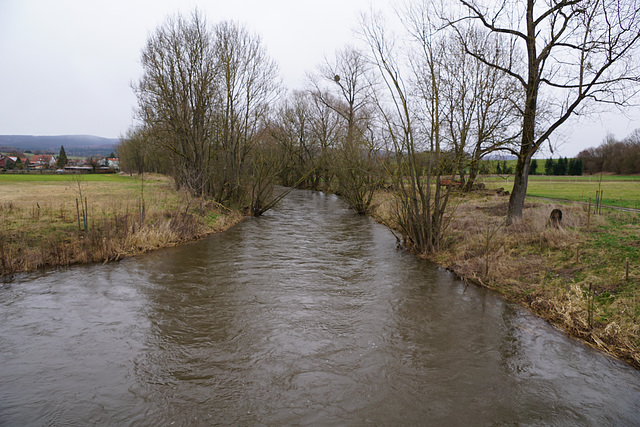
[[305, 316]]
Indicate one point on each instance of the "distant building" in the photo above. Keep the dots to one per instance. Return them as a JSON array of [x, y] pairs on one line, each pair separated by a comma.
[[113, 163], [42, 161], [5, 161], [73, 168]]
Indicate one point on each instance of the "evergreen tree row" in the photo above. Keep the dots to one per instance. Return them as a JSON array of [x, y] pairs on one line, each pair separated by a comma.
[[563, 166]]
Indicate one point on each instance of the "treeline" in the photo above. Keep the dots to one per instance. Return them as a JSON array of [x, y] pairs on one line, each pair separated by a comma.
[[216, 119], [408, 114], [213, 115], [619, 157], [563, 166]]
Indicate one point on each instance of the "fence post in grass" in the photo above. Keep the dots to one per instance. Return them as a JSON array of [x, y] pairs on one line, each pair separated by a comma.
[[589, 213], [78, 212], [141, 210], [601, 200], [85, 213], [590, 306]]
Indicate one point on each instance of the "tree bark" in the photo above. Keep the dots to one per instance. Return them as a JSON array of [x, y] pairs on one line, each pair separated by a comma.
[[528, 145], [519, 192]]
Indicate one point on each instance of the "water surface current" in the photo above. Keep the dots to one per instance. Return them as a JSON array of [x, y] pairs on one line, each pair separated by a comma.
[[308, 315]]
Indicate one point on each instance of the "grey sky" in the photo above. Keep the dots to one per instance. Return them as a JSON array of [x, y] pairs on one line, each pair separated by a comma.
[[66, 65]]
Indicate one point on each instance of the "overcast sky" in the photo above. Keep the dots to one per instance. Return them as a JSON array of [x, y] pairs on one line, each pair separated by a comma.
[[66, 65]]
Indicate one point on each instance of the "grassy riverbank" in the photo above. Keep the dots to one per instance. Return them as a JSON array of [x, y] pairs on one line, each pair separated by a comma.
[[43, 224], [575, 276]]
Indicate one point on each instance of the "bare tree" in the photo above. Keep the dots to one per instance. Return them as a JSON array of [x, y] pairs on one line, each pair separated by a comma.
[[324, 129], [248, 84], [412, 118], [576, 51], [345, 88], [204, 98], [177, 94], [132, 150], [481, 113], [298, 147], [620, 157], [264, 167]]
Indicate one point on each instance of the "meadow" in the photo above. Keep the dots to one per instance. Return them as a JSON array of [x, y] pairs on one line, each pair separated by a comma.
[[619, 191], [53, 220], [50, 177]]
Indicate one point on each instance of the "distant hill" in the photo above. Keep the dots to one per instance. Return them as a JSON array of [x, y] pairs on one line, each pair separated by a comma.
[[74, 145], [498, 157]]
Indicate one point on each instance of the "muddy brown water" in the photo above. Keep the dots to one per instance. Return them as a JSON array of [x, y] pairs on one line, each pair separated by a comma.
[[305, 316]]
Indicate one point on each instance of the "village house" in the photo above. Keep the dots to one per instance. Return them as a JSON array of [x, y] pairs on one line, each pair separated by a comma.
[[113, 163], [9, 162], [42, 161], [5, 161]]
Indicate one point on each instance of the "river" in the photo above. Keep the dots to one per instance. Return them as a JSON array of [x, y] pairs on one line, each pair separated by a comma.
[[308, 315]]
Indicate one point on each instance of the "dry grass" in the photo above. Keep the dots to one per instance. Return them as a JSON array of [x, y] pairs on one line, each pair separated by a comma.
[[573, 276], [41, 226]]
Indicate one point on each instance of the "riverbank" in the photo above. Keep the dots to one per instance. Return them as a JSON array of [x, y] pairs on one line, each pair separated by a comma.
[[45, 225], [575, 276]]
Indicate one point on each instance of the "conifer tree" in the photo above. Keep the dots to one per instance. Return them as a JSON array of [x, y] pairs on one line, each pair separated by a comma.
[[575, 166], [505, 168], [579, 166], [62, 158], [563, 164], [548, 167]]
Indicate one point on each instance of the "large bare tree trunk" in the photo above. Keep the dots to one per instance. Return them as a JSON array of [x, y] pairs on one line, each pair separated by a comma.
[[528, 145], [519, 192]]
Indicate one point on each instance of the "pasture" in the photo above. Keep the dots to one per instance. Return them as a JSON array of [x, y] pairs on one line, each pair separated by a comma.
[[619, 191], [52, 220]]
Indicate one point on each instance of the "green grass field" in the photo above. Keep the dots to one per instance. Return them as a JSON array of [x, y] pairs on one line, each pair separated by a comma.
[[621, 191], [34, 176]]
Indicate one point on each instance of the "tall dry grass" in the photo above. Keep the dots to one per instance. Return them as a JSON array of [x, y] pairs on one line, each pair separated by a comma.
[[43, 226]]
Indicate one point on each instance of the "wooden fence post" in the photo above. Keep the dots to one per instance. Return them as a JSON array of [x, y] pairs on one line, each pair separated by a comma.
[[78, 211], [85, 213], [601, 197]]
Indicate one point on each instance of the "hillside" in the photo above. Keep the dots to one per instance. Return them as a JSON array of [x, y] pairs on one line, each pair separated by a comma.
[[74, 145]]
